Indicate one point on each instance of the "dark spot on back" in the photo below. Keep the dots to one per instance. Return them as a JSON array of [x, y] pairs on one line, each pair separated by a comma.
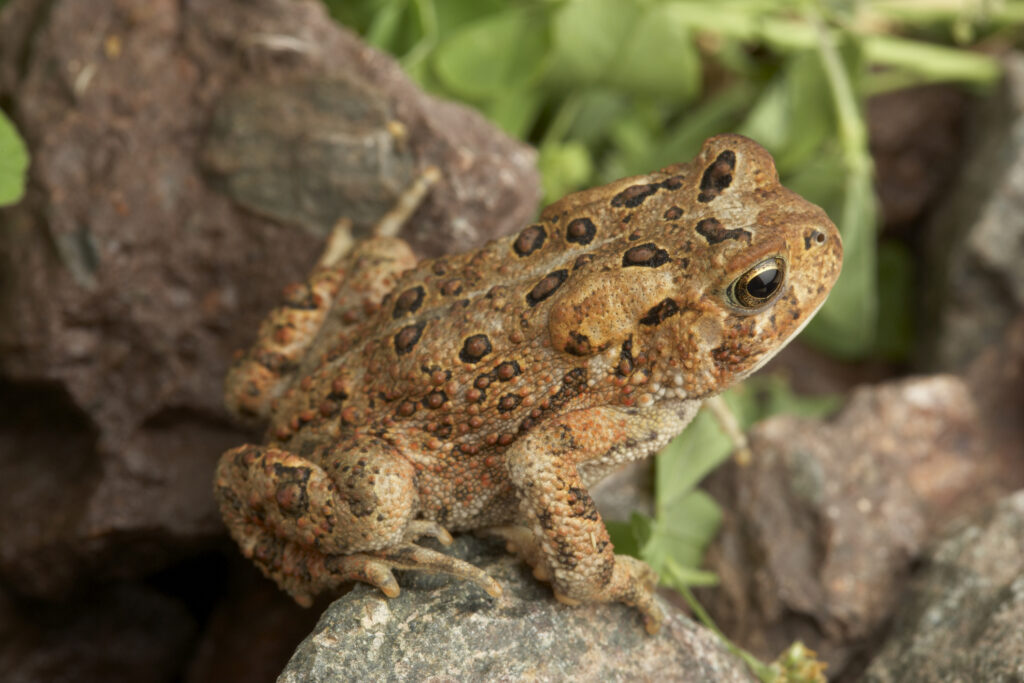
[[573, 384], [407, 337], [634, 196], [548, 285], [508, 370], [530, 240], [475, 348], [408, 302], [714, 232], [509, 402], [666, 309], [580, 231], [717, 176], [648, 255], [673, 213]]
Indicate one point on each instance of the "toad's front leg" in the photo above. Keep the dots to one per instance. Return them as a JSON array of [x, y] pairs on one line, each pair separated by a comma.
[[572, 543]]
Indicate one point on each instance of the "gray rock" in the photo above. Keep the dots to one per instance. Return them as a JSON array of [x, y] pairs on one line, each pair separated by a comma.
[[976, 243], [310, 151], [441, 630], [964, 620]]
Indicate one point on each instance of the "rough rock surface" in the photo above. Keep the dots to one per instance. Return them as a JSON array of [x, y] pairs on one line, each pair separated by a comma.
[[439, 629], [822, 528], [977, 239], [963, 619], [129, 276]]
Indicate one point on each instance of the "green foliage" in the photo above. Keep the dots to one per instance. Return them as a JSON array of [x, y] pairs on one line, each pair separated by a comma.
[[13, 163]]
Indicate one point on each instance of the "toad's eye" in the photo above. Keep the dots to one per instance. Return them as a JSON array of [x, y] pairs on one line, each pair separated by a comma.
[[758, 285]]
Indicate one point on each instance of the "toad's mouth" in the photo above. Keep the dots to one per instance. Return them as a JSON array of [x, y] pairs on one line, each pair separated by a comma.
[[781, 345]]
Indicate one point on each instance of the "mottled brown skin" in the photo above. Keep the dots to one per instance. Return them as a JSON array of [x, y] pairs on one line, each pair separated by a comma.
[[490, 388]]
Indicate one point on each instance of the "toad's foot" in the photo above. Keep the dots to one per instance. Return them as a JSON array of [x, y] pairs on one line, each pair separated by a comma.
[[633, 581], [303, 574]]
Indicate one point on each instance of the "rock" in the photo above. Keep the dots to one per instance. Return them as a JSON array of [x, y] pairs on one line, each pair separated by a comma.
[[441, 629], [129, 277], [309, 151], [823, 526], [964, 615], [976, 243], [916, 137]]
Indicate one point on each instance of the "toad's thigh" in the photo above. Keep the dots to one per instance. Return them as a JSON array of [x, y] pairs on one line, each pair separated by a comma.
[[361, 499]]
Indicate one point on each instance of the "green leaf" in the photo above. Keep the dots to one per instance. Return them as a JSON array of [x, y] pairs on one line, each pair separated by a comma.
[[515, 111], [642, 50], [764, 395], [563, 168], [795, 116], [687, 459], [665, 143], [659, 58], [13, 163], [684, 577], [682, 531], [587, 36], [494, 55], [688, 518], [596, 113], [896, 280], [845, 325], [630, 537], [933, 63]]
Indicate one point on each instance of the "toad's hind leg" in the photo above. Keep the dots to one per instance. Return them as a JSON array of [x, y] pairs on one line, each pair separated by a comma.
[[311, 532], [348, 278]]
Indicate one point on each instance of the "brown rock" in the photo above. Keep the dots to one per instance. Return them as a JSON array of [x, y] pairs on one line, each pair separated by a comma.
[[129, 277], [916, 139]]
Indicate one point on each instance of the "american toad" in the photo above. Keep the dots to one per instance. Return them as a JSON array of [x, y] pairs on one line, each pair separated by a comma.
[[490, 388]]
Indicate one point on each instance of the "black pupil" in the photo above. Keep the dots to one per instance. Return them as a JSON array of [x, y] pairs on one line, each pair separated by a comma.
[[764, 283]]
